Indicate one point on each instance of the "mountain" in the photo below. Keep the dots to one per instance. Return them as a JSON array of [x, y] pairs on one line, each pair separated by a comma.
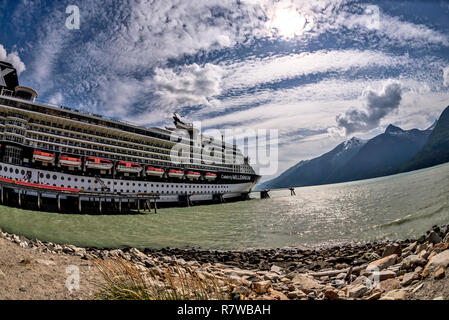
[[383, 154], [316, 171], [436, 149]]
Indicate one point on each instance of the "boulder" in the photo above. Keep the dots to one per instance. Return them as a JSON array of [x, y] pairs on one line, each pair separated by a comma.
[[261, 287], [412, 261], [395, 295], [394, 248], [297, 294], [409, 278], [389, 285], [277, 295], [440, 273], [357, 291], [331, 294], [276, 269], [306, 283], [382, 275], [433, 237], [383, 263], [437, 261]]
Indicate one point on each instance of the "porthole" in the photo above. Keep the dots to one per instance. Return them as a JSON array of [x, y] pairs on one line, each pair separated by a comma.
[[70, 179], [11, 170], [62, 178], [82, 180], [1, 168], [5, 169], [55, 177], [48, 176], [22, 172]]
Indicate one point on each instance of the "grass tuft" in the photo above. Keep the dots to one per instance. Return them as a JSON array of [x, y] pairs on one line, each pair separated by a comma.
[[124, 280]]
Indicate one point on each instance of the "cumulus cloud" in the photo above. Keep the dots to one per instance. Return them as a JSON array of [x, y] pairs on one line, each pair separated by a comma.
[[446, 76], [378, 105], [189, 85], [12, 58]]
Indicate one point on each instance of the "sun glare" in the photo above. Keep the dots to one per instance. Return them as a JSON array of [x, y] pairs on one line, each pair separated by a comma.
[[288, 23]]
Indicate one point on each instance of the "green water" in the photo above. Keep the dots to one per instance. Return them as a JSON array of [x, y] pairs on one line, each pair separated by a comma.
[[395, 207]]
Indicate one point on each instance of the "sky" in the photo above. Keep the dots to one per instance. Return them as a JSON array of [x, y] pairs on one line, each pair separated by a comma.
[[319, 72]]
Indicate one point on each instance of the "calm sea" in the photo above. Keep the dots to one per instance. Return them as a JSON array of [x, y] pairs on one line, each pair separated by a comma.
[[395, 207]]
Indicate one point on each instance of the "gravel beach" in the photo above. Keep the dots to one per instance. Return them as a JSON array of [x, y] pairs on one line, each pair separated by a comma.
[[402, 270]]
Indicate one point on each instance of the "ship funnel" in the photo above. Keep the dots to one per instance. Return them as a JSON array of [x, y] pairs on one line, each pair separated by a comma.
[[8, 78], [9, 84]]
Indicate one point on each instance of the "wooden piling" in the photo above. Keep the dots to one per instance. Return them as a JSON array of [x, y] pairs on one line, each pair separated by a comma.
[[39, 200]]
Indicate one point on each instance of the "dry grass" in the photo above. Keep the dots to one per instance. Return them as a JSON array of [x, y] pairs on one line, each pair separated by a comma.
[[124, 280]]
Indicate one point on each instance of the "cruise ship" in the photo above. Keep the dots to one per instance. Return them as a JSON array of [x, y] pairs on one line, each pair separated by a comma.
[[59, 148]]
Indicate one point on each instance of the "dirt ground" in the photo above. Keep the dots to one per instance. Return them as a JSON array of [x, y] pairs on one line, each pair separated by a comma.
[[26, 274]]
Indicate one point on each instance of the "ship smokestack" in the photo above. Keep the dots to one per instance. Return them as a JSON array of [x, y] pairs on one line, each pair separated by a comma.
[[9, 84]]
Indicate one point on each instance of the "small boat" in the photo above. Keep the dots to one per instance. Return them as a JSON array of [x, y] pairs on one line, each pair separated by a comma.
[[210, 176], [98, 164], [192, 175], [71, 162], [44, 157], [175, 173], [128, 167], [155, 172]]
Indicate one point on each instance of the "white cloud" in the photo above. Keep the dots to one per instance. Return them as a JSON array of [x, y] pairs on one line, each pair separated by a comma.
[[189, 85], [12, 58], [377, 107], [270, 69], [446, 76]]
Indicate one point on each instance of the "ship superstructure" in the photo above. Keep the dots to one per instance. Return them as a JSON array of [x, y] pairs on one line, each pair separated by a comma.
[[62, 147]]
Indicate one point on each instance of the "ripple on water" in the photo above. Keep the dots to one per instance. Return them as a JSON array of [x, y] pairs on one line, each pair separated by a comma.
[[400, 206]]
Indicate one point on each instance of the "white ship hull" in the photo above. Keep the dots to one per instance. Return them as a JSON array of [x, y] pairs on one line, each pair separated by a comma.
[[169, 191]]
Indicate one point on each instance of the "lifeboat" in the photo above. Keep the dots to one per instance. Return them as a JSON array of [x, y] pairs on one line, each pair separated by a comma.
[[98, 164], [44, 157], [155, 172], [128, 167], [175, 173], [71, 162], [193, 175], [210, 176]]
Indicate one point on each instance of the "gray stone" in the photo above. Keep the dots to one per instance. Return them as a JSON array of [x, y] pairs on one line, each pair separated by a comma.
[[297, 294], [383, 263], [306, 283], [357, 291], [412, 261], [437, 261], [276, 269], [433, 237], [394, 248], [409, 278], [261, 287]]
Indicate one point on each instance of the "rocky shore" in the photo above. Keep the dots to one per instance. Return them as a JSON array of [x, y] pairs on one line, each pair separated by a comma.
[[410, 269]]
